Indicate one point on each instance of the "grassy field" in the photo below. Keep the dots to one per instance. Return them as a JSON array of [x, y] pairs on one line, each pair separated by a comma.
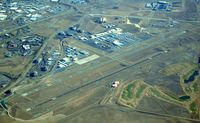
[[132, 93], [140, 90], [127, 93]]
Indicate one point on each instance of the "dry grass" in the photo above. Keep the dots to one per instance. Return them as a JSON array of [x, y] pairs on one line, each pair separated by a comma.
[[177, 68]]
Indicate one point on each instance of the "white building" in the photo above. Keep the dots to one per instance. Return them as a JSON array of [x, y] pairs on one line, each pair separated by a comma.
[[115, 84], [117, 43], [54, 0], [35, 17], [26, 47], [3, 16]]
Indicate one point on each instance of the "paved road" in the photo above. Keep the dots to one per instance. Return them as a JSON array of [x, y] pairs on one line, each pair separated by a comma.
[[125, 109], [150, 113], [92, 82], [140, 17], [40, 20], [29, 66], [95, 81]]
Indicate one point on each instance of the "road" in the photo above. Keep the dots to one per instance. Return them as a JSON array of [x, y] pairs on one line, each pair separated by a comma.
[[149, 113], [126, 109], [103, 77], [95, 81], [44, 45], [87, 85], [140, 17], [29, 66], [41, 20]]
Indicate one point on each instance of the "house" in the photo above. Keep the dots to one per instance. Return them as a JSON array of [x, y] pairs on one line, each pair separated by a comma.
[[2, 16], [8, 54], [148, 5], [44, 68], [101, 20], [4, 81], [33, 74]]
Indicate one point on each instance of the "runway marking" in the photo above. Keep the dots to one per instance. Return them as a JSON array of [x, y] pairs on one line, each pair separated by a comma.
[[87, 59], [28, 109], [25, 94]]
